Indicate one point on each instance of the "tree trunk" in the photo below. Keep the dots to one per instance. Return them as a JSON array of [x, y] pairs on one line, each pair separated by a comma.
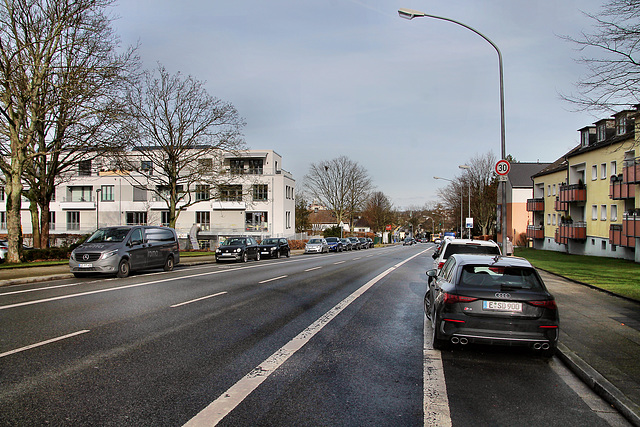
[[35, 223], [14, 225]]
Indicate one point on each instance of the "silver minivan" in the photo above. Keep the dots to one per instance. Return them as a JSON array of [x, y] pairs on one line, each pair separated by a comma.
[[123, 249]]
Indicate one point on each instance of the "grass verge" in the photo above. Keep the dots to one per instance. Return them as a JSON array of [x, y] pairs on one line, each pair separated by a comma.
[[612, 274]]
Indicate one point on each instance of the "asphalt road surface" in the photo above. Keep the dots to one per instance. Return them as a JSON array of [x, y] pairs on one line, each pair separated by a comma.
[[312, 340]]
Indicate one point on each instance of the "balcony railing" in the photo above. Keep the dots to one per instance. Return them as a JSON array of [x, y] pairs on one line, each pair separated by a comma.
[[631, 171], [535, 205], [573, 193], [571, 231], [561, 206], [535, 232], [619, 190], [631, 225], [618, 237]]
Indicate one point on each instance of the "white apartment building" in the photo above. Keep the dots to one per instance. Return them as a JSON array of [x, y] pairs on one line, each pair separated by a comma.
[[257, 199]]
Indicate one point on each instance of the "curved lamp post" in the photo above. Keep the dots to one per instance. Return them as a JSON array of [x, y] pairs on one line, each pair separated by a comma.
[[410, 14]]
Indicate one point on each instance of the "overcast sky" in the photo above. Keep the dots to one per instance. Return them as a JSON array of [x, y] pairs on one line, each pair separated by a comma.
[[407, 100]]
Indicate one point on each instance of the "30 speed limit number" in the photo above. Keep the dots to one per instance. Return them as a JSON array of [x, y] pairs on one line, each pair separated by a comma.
[[502, 167]]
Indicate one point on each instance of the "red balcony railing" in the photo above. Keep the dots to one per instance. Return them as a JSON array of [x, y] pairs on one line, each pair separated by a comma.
[[535, 232], [573, 193], [618, 237], [561, 206], [571, 231], [618, 189], [631, 225], [631, 171], [535, 205]]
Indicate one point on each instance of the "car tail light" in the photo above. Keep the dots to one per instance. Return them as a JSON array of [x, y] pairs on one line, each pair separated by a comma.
[[452, 298], [550, 304], [440, 265], [454, 320], [549, 326]]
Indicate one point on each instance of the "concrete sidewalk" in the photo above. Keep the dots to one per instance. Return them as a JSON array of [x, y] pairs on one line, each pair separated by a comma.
[[599, 332]]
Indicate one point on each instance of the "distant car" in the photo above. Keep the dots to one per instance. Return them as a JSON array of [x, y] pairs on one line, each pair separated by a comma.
[[355, 242], [465, 246], [275, 247], [346, 244], [408, 242], [370, 240], [491, 300], [335, 244], [364, 243], [238, 249], [316, 245]]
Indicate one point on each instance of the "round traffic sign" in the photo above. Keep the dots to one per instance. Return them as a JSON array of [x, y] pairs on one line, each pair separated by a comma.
[[502, 167]]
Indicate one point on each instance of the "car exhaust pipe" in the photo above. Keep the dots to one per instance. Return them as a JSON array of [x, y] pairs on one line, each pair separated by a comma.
[[464, 341], [545, 346], [455, 340], [537, 346]]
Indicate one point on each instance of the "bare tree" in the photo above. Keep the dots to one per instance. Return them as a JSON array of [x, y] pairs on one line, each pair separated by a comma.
[[341, 185], [183, 134], [613, 78], [378, 211], [34, 35]]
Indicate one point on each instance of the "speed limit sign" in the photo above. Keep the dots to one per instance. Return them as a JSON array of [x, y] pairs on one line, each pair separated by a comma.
[[502, 167]]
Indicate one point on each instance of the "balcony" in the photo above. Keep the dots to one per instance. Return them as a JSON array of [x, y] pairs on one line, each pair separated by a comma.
[[619, 190], [571, 231], [535, 232], [77, 204], [535, 205], [631, 171], [573, 193], [561, 206], [631, 224], [618, 237]]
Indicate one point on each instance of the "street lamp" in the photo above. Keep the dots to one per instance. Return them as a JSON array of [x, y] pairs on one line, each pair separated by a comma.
[[468, 182], [433, 225], [98, 191], [410, 14], [461, 214]]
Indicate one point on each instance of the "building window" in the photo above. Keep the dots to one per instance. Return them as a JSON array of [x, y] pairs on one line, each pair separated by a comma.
[[614, 212], [621, 125], [237, 166], [136, 218], [2, 194], [204, 219], [203, 192], [139, 194], [603, 171], [548, 219], [3, 220], [84, 168], [52, 220], [594, 212], [164, 218], [554, 189], [260, 192], [553, 219], [73, 220], [548, 190], [146, 167], [256, 221], [256, 166], [584, 138], [80, 193], [604, 245], [594, 172], [614, 169], [603, 213], [602, 132], [288, 219], [106, 193], [231, 193], [205, 164]]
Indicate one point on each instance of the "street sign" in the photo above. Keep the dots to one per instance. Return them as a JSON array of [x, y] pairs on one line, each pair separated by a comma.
[[503, 178], [502, 167], [469, 223]]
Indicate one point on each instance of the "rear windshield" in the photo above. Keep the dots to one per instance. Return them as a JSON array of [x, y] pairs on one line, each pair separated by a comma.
[[234, 242], [470, 249], [111, 235], [485, 276]]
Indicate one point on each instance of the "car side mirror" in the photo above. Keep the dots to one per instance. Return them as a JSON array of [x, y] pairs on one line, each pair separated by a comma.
[[434, 256], [432, 273]]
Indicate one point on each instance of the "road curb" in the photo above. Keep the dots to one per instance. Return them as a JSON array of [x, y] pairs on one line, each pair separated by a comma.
[[600, 385]]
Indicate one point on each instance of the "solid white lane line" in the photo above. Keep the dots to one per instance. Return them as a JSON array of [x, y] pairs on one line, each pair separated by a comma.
[[223, 405], [313, 268], [435, 402], [198, 299], [18, 350], [271, 280], [339, 262], [39, 289]]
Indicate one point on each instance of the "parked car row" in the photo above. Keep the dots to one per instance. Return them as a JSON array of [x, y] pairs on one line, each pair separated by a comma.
[[337, 244]]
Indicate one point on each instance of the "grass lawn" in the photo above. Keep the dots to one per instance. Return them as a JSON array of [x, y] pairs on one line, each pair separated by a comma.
[[615, 275]]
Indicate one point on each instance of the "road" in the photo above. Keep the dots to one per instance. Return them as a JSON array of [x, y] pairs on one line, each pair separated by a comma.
[[314, 340]]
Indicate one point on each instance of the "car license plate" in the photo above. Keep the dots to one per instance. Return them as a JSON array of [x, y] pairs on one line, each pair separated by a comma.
[[85, 265], [502, 306]]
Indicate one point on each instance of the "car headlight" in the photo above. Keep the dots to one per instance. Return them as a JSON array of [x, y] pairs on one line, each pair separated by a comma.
[[218, 250], [238, 250], [109, 254], [273, 249]]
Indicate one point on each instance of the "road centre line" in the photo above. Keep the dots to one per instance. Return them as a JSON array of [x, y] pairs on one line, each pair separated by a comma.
[[271, 280], [339, 262], [223, 405], [313, 268], [28, 347], [39, 289], [198, 299]]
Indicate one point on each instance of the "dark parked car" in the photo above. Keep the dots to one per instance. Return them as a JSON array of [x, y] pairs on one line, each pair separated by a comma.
[[370, 240], [335, 244], [238, 249], [491, 300], [355, 242], [275, 247], [346, 244], [364, 243]]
